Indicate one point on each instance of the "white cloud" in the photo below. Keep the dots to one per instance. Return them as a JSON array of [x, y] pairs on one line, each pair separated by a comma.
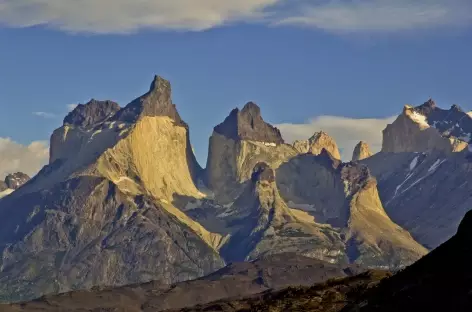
[[71, 107], [44, 114], [380, 15], [25, 158], [127, 16], [124, 16], [346, 131]]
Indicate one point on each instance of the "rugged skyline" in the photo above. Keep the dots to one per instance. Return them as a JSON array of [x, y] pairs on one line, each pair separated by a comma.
[[315, 69]]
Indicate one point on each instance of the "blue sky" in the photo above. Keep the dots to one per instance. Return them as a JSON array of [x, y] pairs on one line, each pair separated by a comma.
[[308, 64]]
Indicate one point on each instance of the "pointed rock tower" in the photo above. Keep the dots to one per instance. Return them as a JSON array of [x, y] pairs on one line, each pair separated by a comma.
[[361, 151], [102, 213], [241, 141]]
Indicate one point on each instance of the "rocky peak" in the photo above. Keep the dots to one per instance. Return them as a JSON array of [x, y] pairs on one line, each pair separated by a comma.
[[93, 112], [248, 124], [361, 151], [156, 102], [427, 127], [321, 140], [16, 180]]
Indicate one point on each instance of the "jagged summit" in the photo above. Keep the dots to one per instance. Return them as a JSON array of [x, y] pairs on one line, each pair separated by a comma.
[[316, 143], [156, 102], [248, 124], [85, 115], [361, 151], [427, 127]]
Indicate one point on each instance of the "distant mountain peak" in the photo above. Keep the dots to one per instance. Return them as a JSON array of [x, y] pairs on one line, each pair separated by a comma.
[[361, 151]]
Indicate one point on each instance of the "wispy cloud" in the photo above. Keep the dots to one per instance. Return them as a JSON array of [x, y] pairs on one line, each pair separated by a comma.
[[125, 16], [25, 158], [44, 114], [380, 15], [346, 131], [71, 107]]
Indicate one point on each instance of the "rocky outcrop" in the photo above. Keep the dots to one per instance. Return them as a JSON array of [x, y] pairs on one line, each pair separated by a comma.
[[345, 196], [15, 180], [428, 128], [361, 151], [102, 212], [236, 146]]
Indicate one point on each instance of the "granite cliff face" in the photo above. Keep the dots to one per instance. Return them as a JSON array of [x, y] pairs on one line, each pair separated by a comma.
[[361, 151], [428, 128], [102, 211], [237, 145]]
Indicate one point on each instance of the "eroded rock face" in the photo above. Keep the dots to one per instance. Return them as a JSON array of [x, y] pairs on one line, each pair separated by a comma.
[[346, 197], [428, 128], [262, 224], [361, 151]]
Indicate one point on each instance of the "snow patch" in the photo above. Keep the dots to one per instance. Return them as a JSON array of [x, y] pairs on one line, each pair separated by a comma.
[[436, 164], [269, 144], [419, 118], [413, 163]]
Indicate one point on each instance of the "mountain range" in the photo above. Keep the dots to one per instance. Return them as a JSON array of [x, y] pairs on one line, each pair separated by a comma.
[[124, 201]]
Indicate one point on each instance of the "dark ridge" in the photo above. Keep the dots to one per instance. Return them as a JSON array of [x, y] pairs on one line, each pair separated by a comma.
[[248, 124], [325, 158], [94, 111], [156, 102]]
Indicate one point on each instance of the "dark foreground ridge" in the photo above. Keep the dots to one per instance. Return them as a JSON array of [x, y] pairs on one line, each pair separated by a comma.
[[441, 281], [237, 280]]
